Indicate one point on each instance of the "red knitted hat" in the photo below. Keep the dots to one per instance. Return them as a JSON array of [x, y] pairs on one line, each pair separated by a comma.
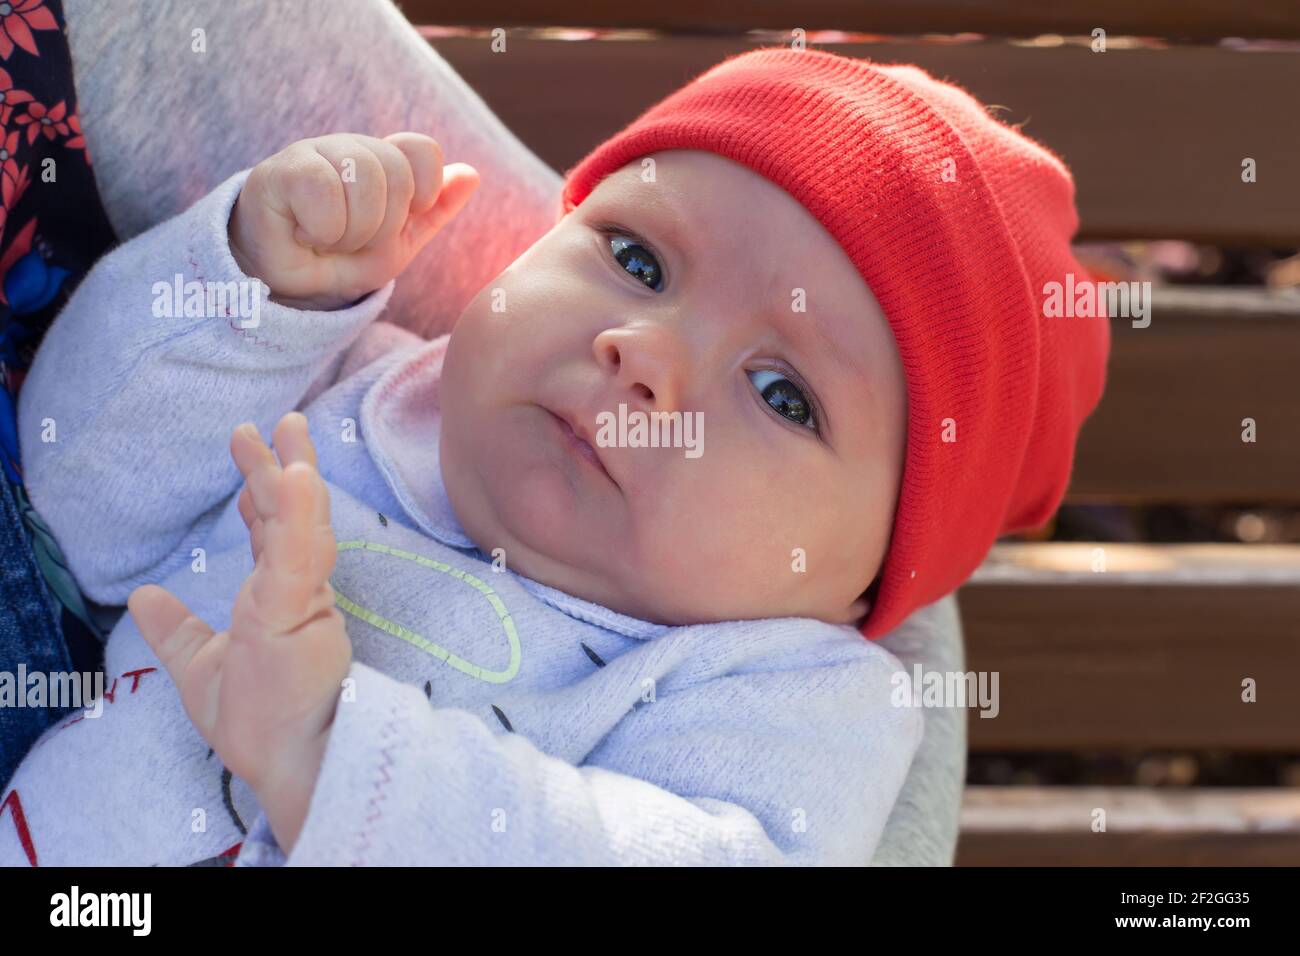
[[956, 222]]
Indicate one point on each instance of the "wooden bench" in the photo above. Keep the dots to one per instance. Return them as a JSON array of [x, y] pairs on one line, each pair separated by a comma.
[[1151, 653]]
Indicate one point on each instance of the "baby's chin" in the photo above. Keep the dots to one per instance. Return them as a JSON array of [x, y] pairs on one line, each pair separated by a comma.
[[635, 591], [586, 575], [615, 580], [532, 509]]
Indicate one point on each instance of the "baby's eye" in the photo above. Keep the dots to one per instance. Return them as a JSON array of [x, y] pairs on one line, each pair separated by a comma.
[[784, 396], [637, 260]]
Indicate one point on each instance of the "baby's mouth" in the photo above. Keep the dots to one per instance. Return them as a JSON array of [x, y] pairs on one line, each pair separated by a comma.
[[574, 439]]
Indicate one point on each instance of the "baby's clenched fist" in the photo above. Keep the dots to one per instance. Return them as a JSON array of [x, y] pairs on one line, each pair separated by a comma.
[[327, 220]]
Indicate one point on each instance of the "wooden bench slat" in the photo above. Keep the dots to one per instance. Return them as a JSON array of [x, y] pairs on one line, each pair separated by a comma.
[[1136, 659], [1187, 565], [1169, 426], [1124, 119], [1262, 18], [1052, 826]]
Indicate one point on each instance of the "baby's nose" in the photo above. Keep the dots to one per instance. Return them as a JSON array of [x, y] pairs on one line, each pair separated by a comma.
[[650, 360]]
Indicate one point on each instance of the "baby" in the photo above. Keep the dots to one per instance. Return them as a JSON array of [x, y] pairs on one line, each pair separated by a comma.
[[470, 630]]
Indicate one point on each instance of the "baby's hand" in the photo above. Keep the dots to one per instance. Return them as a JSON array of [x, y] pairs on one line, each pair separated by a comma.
[[325, 221], [263, 692]]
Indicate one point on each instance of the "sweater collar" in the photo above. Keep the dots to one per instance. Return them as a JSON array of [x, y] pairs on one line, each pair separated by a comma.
[[401, 419]]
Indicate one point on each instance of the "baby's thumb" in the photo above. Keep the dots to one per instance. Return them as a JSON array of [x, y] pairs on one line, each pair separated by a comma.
[[167, 626], [459, 180]]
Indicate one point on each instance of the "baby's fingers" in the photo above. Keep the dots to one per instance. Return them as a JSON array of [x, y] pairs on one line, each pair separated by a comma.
[[290, 583], [308, 184], [424, 156], [293, 443], [252, 521], [258, 466], [360, 173], [293, 440], [399, 181]]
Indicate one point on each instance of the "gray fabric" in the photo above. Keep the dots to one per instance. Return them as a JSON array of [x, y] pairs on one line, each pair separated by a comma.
[[922, 829], [165, 125]]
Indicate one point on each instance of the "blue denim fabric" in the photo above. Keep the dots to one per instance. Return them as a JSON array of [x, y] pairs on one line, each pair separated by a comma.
[[30, 633]]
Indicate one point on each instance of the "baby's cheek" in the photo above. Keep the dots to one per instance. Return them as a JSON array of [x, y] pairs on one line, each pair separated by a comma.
[[798, 533], [716, 545]]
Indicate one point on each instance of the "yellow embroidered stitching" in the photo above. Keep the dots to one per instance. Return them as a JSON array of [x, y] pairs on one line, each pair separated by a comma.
[[423, 643]]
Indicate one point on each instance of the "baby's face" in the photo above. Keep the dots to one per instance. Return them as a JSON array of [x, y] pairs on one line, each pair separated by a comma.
[[681, 295]]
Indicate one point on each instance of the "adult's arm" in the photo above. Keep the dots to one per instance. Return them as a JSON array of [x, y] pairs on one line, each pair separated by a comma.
[[165, 124], [922, 829]]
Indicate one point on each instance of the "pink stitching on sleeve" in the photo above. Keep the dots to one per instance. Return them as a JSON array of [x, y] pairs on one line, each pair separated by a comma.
[[247, 335], [383, 779]]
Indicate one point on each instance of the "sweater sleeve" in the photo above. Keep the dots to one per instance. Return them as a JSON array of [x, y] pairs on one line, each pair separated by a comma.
[[126, 415], [771, 768]]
